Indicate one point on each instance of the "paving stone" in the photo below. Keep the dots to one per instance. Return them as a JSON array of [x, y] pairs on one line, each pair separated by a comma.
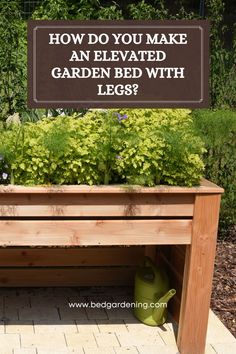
[[9, 341], [7, 292], [157, 349], [98, 334], [94, 350], [106, 339], [44, 341], [29, 291], [217, 332], [87, 326], [47, 326], [9, 313], [139, 338], [7, 351], [107, 292], [67, 292], [1, 302], [112, 326], [48, 301], [24, 351], [61, 351], [167, 337], [134, 326], [77, 350], [119, 291], [120, 313], [225, 348], [209, 349], [43, 291], [104, 300], [16, 302], [2, 327], [96, 313], [77, 297], [19, 327], [72, 313], [80, 340], [93, 290], [128, 298], [126, 350], [38, 313], [172, 326]]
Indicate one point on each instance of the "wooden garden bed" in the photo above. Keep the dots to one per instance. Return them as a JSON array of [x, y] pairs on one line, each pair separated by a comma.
[[49, 236]]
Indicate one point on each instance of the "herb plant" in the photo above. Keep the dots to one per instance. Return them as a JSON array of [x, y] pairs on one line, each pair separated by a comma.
[[143, 146]]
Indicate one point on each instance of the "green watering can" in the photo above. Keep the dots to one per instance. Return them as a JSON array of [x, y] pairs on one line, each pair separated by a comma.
[[151, 294]]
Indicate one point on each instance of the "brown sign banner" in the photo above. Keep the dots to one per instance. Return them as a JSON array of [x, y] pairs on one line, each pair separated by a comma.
[[104, 64]]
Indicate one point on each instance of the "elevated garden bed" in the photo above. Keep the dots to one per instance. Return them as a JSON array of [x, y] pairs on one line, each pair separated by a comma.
[[81, 235]]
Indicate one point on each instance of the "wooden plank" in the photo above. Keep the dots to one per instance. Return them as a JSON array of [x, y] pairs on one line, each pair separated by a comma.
[[210, 186], [203, 188], [94, 232], [198, 272], [86, 199], [85, 256], [73, 205], [150, 251], [176, 274], [178, 257], [38, 277], [180, 250], [174, 308]]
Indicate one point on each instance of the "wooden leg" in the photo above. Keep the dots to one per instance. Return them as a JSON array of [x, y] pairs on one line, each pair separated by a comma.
[[198, 272], [150, 251]]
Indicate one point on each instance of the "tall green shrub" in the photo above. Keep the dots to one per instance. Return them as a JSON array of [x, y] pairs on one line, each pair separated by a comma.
[[222, 59], [13, 62], [12, 59], [218, 131]]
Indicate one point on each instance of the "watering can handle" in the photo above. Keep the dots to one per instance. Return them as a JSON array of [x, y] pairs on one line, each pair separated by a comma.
[[149, 263]]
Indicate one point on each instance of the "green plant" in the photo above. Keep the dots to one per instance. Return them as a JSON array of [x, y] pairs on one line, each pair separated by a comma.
[[113, 135], [52, 10], [4, 171], [112, 12], [81, 10], [13, 44], [223, 61], [167, 151], [218, 131], [144, 147], [11, 148], [146, 11], [12, 59]]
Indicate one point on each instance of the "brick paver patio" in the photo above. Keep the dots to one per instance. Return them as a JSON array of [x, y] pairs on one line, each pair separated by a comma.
[[40, 321]]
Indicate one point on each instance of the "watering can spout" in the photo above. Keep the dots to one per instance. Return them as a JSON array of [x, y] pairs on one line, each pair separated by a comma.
[[161, 306]]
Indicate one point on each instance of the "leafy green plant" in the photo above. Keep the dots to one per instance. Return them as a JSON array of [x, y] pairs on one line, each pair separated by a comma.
[[223, 61], [4, 171], [218, 130], [81, 10], [112, 12], [113, 134], [167, 151], [11, 147], [13, 44], [144, 147], [52, 10], [12, 59], [146, 11]]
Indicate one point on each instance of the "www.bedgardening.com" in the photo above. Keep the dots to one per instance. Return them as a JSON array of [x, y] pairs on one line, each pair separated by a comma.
[[114, 305]]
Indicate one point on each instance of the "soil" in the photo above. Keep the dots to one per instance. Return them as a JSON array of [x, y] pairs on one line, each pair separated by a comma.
[[223, 301]]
